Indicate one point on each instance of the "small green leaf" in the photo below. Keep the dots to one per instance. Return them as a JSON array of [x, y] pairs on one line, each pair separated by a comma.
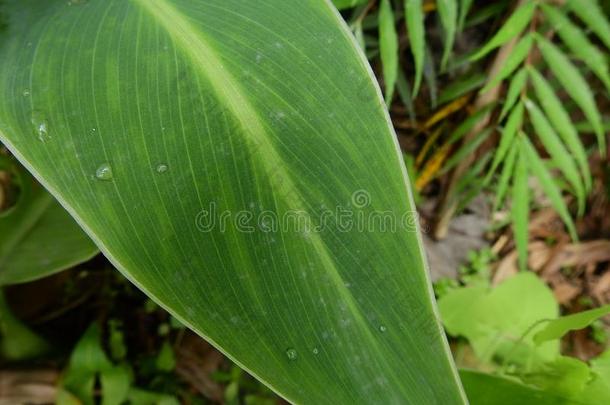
[[513, 125], [87, 360], [562, 158], [388, 47], [592, 14], [520, 209], [513, 61], [115, 384], [556, 328], [404, 92], [430, 76], [166, 360], [515, 87], [448, 13], [505, 176], [359, 35], [461, 86], [343, 4], [468, 124], [576, 86], [511, 28], [578, 43], [538, 169], [466, 149], [17, 341], [560, 119], [415, 27], [464, 9]]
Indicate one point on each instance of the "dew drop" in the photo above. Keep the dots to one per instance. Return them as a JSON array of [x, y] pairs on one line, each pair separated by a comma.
[[162, 168], [382, 329], [41, 127], [292, 354], [104, 172], [316, 351], [26, 92]]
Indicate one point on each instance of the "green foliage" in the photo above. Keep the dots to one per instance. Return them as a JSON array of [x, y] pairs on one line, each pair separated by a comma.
[[90, 366], [17, 341], [518, 339], [474, 312], [37, 236]]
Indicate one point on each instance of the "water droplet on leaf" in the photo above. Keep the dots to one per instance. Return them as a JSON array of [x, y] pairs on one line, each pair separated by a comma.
[[292, 354], [104, 172], [382, 329], [41, 127], [316, 351], [162, 168]]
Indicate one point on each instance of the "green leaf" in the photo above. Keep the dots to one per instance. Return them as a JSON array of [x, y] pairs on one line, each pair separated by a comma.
[[516, 86], [200, 144], [578, 43], [495, 324], [430, 77], [593, 16], [461, 87], [37, 236], [505, 176], [468, 124], [115, 384], [404, 92], [465, 6], [565, 376], [562, 123], [414, 17], [466, 149], [576, 86], [511, 28], [556, 328], [598, 389], [538, 169], [513, 61], [513, 125], [486, 389], [448, 13], [520, 209], [166, 360], [87, 360], [343, 4], [17, 341], [563, 160], [388, 47]]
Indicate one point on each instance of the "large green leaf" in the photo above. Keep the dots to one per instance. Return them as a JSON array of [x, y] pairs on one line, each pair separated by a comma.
[[211, 149], [37, 236]]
